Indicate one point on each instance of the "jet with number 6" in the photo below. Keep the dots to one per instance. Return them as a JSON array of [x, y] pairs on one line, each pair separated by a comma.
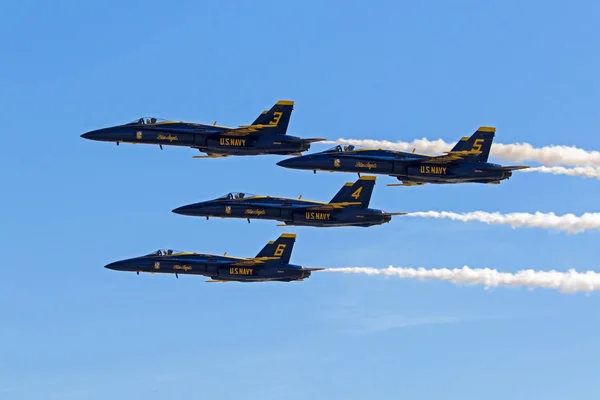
[[266, 135], [272, 263], [466, 162], [349, 207]]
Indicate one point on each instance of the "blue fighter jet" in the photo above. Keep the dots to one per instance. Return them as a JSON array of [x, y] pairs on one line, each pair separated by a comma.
[[272, 263], [349, 207], [466, 162], [266, 135]]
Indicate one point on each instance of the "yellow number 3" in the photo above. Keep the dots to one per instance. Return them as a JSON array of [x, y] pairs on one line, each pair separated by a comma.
[[276, 117], [356, 194], [279, 250], [477, 145]]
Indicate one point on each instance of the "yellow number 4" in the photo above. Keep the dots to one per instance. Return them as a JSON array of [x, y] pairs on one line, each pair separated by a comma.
[[276, 117], [356, 194], [477, 145], [279, 250]]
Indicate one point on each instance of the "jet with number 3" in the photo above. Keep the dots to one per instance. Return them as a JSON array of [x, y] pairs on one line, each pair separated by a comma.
[[272, 263], [266, 135], [349, 207], [466, 162]]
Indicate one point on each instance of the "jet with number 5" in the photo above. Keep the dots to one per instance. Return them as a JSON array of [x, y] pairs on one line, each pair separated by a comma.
[[466, 162], [266, 135], [272, 263], [349, 207]]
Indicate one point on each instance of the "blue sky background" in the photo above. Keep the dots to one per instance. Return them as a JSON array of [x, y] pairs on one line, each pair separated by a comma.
[[71, 329]]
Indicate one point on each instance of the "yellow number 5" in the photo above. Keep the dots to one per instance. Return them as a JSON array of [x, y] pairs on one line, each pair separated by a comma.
[[477, 145], [279, 250]]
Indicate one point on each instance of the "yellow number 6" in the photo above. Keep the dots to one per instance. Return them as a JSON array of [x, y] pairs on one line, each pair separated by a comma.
[[279, 250]]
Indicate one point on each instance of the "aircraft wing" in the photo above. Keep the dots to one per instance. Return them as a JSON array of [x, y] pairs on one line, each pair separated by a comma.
[[507, 168], [244, 130], [449, 157], [262, 260], [406, 184], [331, 206], [212, 156]]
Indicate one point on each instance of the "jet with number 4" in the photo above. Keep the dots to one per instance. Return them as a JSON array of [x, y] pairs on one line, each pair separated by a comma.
[[466, 162], [266, 135], [349, 207], [272, 263]]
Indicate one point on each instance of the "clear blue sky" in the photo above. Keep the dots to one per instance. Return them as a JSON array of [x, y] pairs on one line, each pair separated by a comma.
[[71, 329]]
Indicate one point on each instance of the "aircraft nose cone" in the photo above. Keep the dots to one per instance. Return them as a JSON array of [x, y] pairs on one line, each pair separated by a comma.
[[114, 266], [94, 135], [194, 209], [183, 210], [293, 162]]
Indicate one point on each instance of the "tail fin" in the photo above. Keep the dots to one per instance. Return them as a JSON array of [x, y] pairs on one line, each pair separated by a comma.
[[277, 119], [480, 141], [359, 191], [282, 248]]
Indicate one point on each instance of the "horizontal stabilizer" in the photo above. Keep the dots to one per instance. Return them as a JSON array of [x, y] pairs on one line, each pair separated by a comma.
[[313, 269], [514, 167], [215, 281], [313, 140], [397, 213]]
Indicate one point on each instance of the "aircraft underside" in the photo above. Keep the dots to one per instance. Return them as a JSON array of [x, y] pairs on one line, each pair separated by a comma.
[[449, 180]]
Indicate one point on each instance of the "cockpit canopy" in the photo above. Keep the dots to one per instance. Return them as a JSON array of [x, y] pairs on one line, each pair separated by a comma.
[[340, 149], [236, 195], [147, 121], [168, 252]]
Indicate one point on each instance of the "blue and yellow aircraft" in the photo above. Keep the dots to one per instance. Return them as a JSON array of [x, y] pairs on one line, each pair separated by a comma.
[[466, 162], [272, 263], [349, 207], [266, 135]]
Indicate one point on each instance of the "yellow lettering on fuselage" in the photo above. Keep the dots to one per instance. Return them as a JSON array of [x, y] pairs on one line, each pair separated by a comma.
[[255, 212], [182, 267], [240, 271], [433, 170], [367, 165], [321, 216], [170, 138], [232, 142]]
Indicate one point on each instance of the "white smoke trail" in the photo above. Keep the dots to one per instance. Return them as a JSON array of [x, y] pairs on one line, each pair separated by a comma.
[[567, 282], [569, 223], [553, 155], [585, 172]]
